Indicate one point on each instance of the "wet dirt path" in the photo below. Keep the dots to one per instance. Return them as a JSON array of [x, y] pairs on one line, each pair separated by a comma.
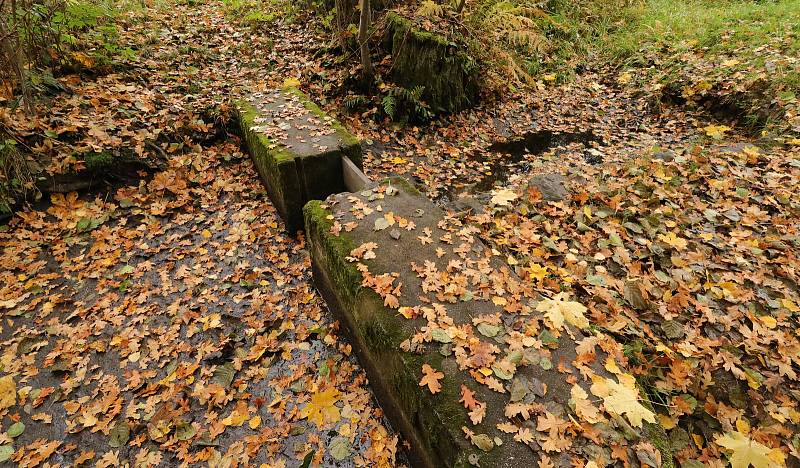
[[175, 322]]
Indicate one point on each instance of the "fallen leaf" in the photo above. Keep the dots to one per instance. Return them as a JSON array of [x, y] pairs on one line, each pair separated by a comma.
[[431, 378], [322, 409], [503, 197], [558, 310], [8, 392], [745, 451], [622, 398]]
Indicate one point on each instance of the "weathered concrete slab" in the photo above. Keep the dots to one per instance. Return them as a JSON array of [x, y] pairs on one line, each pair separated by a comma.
[[447, 285], [296, 148], [354, 178]]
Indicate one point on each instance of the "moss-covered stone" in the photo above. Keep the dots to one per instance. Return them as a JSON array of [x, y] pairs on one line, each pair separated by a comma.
[[420, 58], [296, 148], [98, 162]]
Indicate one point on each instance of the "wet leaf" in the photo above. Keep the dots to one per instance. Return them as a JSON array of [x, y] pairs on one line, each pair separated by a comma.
[[119, 435], [340, 448], [431, 378], [5, 452], [8, 392], [16, 429]]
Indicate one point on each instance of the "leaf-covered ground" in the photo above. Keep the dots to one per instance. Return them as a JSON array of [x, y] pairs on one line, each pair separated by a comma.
[[172, 321], [680, 237]]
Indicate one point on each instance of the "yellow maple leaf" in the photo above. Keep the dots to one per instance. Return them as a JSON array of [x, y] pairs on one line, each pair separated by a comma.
[[8, 392], [538, 272], [674, 241], [322, 408], [622, 398], [503, 197], [716, 131], [559, 310], [745, 451]]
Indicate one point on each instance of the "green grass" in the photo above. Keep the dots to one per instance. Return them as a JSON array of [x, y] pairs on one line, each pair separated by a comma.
[[688, 45], [656, 25]]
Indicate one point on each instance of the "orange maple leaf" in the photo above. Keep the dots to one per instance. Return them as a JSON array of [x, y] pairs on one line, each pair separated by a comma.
[[431, 378]]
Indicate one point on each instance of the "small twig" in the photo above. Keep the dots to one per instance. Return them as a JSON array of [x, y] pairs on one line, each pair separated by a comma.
[[157, 149]]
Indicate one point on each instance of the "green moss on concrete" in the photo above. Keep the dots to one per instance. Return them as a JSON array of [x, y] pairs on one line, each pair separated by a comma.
[[438, 417], [379, 338], [247, 117], [294, 175], [403, 184], [421, 58], [336, 248], [275, 165], [396, 22]]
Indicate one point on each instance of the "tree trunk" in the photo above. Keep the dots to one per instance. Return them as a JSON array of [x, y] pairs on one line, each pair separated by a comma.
[[363, 29], [341, 22]]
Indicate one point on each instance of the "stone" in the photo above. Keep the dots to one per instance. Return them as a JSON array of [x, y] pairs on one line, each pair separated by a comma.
[[551, 186], [432, 423], [665, 155], [297, 149], [593, 156]]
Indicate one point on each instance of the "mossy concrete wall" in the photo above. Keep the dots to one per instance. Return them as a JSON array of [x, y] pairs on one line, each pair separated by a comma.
[[421, 58], [296, 148], [432, 423]]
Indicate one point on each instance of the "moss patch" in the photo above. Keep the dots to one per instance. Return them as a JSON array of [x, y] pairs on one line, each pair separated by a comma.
[[447, 73]]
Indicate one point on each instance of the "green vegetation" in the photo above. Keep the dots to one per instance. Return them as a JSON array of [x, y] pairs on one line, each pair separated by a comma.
[[41, 38], [255, 14], [735, 55], [14, 173], [719, 26]]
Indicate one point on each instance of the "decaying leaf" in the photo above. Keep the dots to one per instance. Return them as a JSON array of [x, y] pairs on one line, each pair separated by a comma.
[[558, 310]]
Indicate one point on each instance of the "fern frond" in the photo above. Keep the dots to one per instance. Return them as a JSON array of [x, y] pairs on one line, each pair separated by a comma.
[[351, 102], [389, 104], [514, 25], [429, 9]]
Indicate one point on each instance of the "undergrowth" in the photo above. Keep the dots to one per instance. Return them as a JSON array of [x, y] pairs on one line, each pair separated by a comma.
[[15, 176], [735, 56], [43, 38]]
